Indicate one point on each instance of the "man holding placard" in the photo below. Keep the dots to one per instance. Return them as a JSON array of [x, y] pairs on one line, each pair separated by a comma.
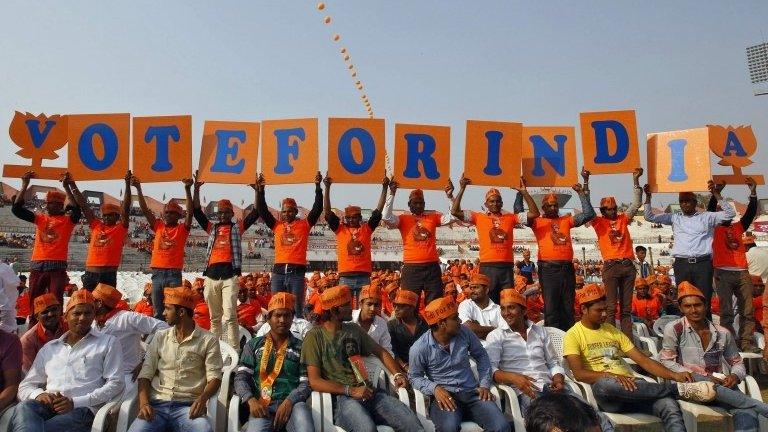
[[693, 232], [615, 245], [353, 239], [494, 233], [418, 229], [291, 240], [168, 246], [557, 275], [224, 264]]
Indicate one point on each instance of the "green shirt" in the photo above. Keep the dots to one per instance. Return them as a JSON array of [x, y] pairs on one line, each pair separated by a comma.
[[292, 369], [331, 353]]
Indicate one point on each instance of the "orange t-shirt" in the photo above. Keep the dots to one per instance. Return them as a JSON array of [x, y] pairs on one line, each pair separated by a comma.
[[201, 316], [646, 308], [554, 238], [714, 305], [168, 251], [418, 233], [613, 237], [757, 304], [534, 307], [52, 237], [727, 247], [291, 240], [106, 248], [494, 233], [23, 308], [246, 314], [221, 251], [353, 248], [143, 307]]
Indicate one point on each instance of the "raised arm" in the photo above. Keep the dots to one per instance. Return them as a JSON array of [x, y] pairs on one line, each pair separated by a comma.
[[253, 216], [127, 198], [727, 213], [317, 206], [389, 217], [77, 197], [375, 218], [190, 213], [664, 218], [637, 194], [751, 211], [533, 209], [148, 215], [330, 216], [587, 211], [261, 203], [197, 211], [456, 210]]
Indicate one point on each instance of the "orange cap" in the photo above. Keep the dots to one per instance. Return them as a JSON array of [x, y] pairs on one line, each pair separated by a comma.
[[370, 291], [651, 279], [491, 193], [590, 293], [180, 296], [407, 297], [511, 296], [352, 211], [416, 193], [55, 195], [81, 296], [663, 279], [45, 301], [550, 198], [173, 206], [450, 287], [608, 201], [480, 279], [640, 282], [579, 279], [336, 296], [282, 300], [391, 287], [289, 202], [686, 289], [107, 294], [109, 209], [440, 309]]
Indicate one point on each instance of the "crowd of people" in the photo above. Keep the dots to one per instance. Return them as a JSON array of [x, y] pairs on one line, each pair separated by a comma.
[[328, 332]]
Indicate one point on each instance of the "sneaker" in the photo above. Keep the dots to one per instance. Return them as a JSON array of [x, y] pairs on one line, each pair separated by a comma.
[[702, 391]]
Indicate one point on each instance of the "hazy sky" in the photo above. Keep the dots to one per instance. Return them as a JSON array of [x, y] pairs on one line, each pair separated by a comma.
[[679, 64]]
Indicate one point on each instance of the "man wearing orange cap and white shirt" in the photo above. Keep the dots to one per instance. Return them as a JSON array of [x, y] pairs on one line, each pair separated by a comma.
[[615, 243], [291, 240], [594, 351], [557, 275], [72, 376], [522, 355], [128, 327], [418, 230], [53, 229], [105, 251], [170, 239], [353, 238], [439, 367], [406, 326], [181, 371], [479, 312], [224, 261], [495, 233], [369, 317], [693, 232], [693, 344], [275, 388], [333, 353], [49, 326]]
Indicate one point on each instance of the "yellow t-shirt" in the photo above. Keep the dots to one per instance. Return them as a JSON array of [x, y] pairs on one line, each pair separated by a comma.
[[600, 350]]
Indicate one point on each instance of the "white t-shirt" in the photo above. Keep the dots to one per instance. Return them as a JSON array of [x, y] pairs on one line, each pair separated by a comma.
[[490, 316]]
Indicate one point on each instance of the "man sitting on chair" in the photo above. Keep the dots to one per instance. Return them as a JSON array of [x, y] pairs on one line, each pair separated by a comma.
[[683, 351]]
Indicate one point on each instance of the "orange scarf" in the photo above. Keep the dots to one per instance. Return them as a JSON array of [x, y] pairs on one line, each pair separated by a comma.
[[101, 320]]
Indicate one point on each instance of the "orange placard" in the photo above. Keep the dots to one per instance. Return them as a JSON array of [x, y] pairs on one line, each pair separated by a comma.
[[492, 153], [609, 142], [549, 156], [229, 152], [39, 137], [356, 151], [162, 148], [678, 161], [422, 156], [99, 146], [734, 146], [289, 152]]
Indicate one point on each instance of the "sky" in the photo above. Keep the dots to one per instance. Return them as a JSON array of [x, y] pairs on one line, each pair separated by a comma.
[[678, 64]]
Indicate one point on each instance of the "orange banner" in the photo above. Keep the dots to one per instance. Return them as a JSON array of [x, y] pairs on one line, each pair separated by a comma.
[[549, 156], [492, 153], [162, 148], [422, 156], [99, 146], [609, 142], [229, 152], [678, 161], [356, 150], [289, 151]]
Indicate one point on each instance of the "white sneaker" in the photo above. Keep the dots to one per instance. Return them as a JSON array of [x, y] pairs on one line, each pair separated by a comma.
[[702, 391]]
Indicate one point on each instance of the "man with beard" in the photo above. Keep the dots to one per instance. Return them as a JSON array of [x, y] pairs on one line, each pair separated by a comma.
[[270, 378], [53, 229], [72, 376], [49, 326], [170, 239], [495, 233], [479, 313]]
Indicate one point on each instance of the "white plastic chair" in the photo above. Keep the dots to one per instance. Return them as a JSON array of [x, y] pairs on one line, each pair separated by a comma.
[[659, 324]]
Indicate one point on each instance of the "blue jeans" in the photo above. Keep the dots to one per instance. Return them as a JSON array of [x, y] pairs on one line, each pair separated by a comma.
[[292, 283], [357, 416], [299, 421], [648, 398], [525, 402], [32, 415], [469, 408], [171, 416], [161, 279], [355, 283], [744, 409]]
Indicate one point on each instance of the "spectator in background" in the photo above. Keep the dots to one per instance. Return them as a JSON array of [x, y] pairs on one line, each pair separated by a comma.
[[642, 268], [406, 326], [757, 257], [9, 292], [369, 317], [560, 412], [144, 306], [527, 267], [757, 302], [23, 306], [479, 313], [10, 368], [646, 307], [50, 325]]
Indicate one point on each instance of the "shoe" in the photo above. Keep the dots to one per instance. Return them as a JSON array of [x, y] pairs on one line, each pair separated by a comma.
[[702, 391]]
